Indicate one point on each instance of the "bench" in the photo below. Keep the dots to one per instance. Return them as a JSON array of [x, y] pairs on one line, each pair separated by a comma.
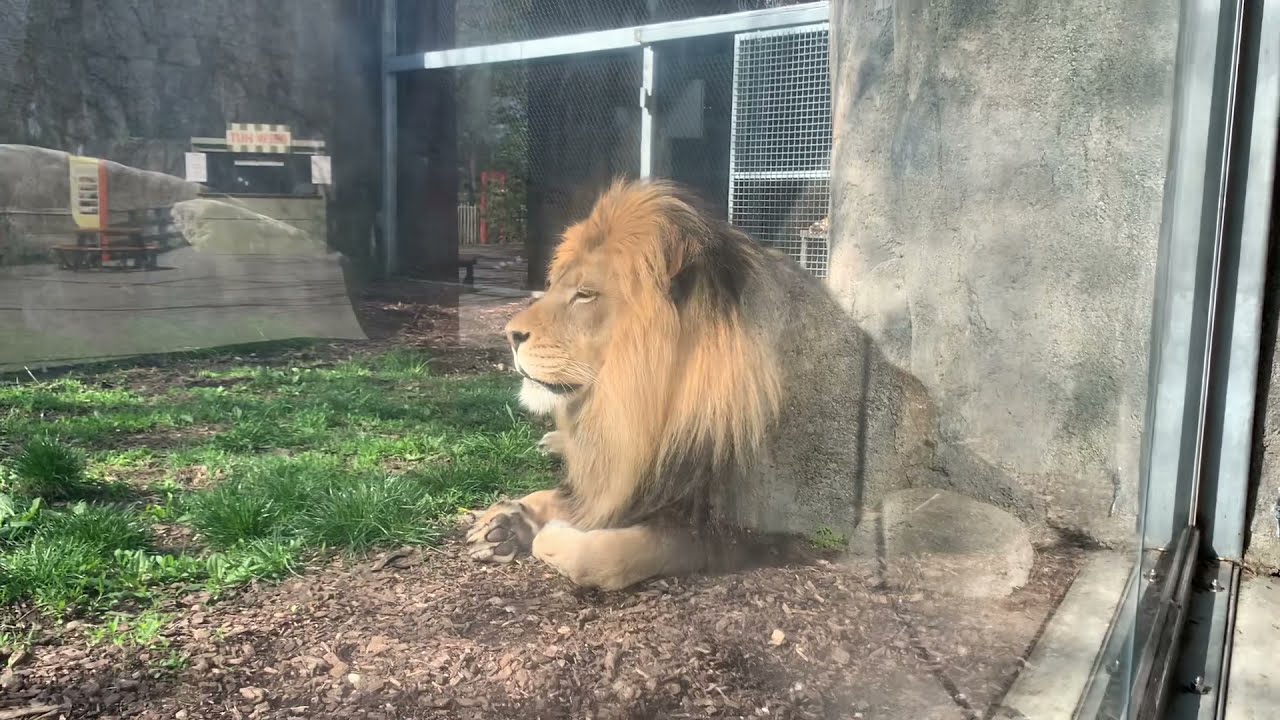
[[77, 257], [468, 264], [95, 248]]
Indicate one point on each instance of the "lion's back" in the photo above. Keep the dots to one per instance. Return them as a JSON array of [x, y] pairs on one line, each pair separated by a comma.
[[852, 425]]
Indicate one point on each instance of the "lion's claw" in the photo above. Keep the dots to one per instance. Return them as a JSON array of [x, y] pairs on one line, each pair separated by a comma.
[[503, 532], [552, 443]]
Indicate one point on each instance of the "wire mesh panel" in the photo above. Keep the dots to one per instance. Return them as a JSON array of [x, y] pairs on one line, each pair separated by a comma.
[[780, 145]]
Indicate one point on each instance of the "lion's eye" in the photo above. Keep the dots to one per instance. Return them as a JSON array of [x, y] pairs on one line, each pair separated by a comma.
[[584, 295]]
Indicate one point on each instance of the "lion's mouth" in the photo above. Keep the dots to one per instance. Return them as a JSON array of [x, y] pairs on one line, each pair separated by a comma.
[[556, 388]]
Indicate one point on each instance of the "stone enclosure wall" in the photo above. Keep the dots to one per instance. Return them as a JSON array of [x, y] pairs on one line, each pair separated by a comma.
[[997, 189]]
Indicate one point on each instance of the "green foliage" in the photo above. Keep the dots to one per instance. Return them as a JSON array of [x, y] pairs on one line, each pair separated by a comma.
[[824, 538], [18, 517]]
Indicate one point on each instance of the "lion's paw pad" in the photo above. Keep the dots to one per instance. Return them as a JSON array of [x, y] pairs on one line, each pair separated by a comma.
[[500, 534]]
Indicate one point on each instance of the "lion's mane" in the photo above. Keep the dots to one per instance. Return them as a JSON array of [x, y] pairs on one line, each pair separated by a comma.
[[685, 395]]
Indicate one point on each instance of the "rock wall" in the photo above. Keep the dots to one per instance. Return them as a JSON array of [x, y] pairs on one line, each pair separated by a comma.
[[996, 200]]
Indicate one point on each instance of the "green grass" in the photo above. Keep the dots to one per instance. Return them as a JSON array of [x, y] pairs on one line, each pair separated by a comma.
[[824, 538], [258, 468]]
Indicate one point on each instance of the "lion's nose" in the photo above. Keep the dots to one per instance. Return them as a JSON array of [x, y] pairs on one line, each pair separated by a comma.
[[517, 337]]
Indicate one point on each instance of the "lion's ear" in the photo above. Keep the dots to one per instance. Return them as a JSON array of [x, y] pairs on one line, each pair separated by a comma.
[[714, 278], [683, 285]]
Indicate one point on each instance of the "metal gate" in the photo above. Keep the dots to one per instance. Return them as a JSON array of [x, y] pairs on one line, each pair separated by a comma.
[[695, 98], [780, 147]]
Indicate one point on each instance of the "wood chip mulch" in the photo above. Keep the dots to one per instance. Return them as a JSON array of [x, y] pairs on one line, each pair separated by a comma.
[[431, 634]]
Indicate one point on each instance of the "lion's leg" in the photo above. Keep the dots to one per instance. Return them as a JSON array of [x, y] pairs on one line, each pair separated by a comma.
[[552, 443], [618, 558], [508, 527]]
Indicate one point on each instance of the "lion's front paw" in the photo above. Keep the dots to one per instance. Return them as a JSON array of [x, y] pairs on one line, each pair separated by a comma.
[[559, 546], [573, 554], [552, 443], [501, 533]]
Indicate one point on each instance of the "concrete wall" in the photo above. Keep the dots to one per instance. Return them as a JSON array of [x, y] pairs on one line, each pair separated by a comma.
[[997, 189], [1262, 544]]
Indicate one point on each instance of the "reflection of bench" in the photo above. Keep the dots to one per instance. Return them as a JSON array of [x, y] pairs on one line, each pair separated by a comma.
[[95, 248], [148, 232], [468, 264], [156, 224]]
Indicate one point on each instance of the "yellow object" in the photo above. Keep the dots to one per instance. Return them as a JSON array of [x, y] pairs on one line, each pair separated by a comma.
[[88, 192]]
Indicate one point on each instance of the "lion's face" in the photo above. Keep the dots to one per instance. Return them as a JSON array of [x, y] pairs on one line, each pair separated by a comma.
[[559, 342]]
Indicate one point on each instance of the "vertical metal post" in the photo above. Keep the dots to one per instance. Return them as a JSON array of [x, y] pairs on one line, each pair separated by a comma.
[[646, 113], [390, 126], [1186, 271], [1246, 218]]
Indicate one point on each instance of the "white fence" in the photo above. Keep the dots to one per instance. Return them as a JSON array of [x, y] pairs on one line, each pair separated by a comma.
[[468, 225]]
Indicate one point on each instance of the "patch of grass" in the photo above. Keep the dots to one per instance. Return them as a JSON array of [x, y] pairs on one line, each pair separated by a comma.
[[324, 504], [69, 561], [265, 463], [50, 469], [105, 528], [368, 512]]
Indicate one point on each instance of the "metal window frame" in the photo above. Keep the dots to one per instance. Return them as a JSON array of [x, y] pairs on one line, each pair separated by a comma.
[[1206, 336], [390, 147], [626, 38]]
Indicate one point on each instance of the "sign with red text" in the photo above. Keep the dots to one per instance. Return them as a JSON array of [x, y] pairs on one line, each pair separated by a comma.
[[259, 138]]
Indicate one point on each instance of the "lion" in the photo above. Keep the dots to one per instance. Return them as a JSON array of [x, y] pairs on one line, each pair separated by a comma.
[[666, 349]]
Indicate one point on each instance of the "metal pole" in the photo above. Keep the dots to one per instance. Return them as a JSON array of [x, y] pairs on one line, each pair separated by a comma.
[[646, 114], [390, 126]]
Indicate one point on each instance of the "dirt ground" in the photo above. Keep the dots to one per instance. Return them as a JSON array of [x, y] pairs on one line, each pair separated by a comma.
[[429, 634]]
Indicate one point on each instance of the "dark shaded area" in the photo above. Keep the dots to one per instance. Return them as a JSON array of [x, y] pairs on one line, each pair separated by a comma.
[[584, 130], [691, 143], [427, 177]]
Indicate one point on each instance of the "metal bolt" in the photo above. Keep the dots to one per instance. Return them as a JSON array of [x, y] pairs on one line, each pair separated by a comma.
[[1151, 575], [1216, 586], [1114, 667], [1197, 686]]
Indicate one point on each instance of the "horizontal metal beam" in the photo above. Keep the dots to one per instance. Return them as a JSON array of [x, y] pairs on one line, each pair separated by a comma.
[[617, 39]]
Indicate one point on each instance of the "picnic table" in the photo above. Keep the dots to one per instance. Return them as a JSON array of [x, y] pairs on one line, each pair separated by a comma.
[[96, 248]]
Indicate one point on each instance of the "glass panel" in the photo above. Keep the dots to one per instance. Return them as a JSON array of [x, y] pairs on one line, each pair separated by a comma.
[[859, 434]]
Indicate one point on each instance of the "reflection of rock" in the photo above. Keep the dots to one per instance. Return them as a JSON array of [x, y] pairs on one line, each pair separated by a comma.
[[35, 197], [229, 228], [946, 543], [34, 179]]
